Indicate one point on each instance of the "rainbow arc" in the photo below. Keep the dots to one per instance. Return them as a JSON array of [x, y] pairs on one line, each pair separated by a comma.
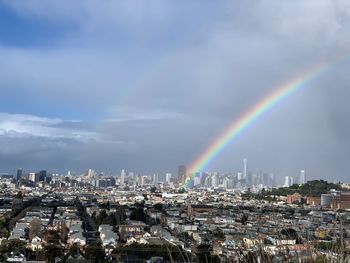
[[242, 123]]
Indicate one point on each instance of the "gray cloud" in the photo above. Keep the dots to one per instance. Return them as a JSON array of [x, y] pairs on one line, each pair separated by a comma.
[[21, 126], [165, 79]]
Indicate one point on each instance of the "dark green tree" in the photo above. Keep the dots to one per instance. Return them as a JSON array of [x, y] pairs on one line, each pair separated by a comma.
[[52, 251], [138, 214], [95, 252], [158, 206]]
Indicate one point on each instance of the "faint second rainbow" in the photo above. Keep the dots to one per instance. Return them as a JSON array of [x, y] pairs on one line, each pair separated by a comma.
[[250, 117]]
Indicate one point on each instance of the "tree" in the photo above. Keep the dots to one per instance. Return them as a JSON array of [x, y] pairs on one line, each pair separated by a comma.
[[95, 252], [244, 219], [63, 231], [52, 237], [12, 245], [74, 250], [102, 216], [138, 214], [153, 189], [3, 228], [203, 252], [158, 206], [52, 251], [182, 191], [19, 195], [167, 252], [4, 232], [34, 228], [218, 234]]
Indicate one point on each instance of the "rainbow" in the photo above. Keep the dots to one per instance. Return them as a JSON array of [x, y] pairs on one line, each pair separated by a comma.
[[248, 118]]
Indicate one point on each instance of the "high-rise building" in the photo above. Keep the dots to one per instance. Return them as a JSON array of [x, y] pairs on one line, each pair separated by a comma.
[[207, 181], [19, 174], [34, 177], [302, 178], [168, 177], [215, 180], [272, 179], [42, 175], [90, 174], [143, 180], [249, 179], [202, 177], [288, 181], [245, 168], [197, 179], [155, 179], [122, 177], [181, 173]]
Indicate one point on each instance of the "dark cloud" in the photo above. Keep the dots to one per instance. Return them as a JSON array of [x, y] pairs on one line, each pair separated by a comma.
[[156, 83]]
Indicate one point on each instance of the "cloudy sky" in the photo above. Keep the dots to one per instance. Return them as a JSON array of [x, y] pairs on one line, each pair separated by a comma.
[[148, 85]]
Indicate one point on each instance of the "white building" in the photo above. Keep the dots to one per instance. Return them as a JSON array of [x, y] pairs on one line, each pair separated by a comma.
[[302, 179], [122, 177], [168, 177], [287, 181]]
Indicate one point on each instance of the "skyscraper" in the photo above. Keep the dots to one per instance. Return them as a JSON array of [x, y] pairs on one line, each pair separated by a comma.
[[181, 173], [42, 175], [168, 177], [288, 181], [215, 180], [245, 164], [34, 177], [19, 174], [122, 177], [155, 179], [302, 178]]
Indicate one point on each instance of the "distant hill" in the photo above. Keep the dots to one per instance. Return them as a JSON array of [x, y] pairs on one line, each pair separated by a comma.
[[311, 188]]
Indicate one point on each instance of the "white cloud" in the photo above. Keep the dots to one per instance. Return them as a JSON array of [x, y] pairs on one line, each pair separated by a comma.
[[134, 114], [21, 126], [165, 86]]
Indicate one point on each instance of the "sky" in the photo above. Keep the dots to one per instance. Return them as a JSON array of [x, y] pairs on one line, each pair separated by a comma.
[[148, 85]]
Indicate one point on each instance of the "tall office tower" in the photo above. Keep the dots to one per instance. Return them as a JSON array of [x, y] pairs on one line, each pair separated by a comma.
[[143, 180], [287, 181], [90, 173], [265, 179], [19, 174], [272, 180], [291, 180], [181, 173], [42, 175], [225, 182], [131, 177], [122, 177], [254, 180], [197, 179], [245, 163], [168, 178], [155, 179], [249, 179], [207, 181], [34, 177], [230, 183], [215, 180], [203, 178], [302, 178]]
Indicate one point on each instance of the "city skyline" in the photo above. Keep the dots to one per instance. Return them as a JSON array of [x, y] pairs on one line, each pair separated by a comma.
[[183, 176], [147, 87]]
